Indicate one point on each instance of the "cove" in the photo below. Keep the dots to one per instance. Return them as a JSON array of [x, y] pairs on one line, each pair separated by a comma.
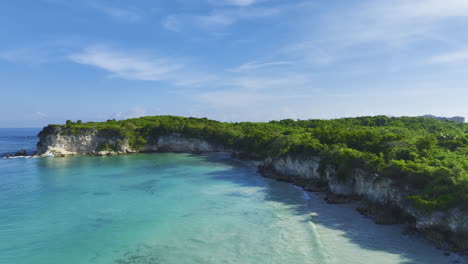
[[182, 208]]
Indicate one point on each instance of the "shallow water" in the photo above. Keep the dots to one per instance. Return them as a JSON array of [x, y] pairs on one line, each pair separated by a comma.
[[180, 208]]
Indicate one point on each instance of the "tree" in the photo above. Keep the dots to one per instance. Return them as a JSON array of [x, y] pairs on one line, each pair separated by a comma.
[[426, 144], [79, 122]]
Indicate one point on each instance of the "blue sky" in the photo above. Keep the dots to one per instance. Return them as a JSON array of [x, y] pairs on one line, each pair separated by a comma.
[[231, 60]]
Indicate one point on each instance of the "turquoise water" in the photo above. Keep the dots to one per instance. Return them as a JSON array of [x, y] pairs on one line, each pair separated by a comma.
[[181, 208]]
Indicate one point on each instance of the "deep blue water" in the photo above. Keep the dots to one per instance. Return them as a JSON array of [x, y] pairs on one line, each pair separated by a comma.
[[177, 209], [14, 139]]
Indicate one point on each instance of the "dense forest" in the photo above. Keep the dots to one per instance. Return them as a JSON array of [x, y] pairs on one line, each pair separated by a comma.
[[428, 155]]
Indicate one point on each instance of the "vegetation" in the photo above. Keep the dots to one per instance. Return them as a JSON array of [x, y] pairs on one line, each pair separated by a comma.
[[427, 155]]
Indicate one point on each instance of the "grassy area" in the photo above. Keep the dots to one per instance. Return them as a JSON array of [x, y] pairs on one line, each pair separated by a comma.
[[428, 155]]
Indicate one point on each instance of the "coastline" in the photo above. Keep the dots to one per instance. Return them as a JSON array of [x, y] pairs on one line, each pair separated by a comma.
[[382, 199], [316, 189]]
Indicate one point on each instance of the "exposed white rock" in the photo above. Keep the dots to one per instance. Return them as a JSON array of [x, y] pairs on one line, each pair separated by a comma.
[[305, 168], [177, 143], [79, 144], [89, 143]]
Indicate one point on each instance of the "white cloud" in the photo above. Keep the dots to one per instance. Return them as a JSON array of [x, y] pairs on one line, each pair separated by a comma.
[[242, 2], [401, 21], [223, 18], [378, 31], [41, 115], [127, 65], [428, 9], [236, 2], [217, 19], [452, 57], [259, 64], [124, 14]]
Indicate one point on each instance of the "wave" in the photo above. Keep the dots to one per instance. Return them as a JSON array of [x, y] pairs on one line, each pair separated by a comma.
[[20, 157]]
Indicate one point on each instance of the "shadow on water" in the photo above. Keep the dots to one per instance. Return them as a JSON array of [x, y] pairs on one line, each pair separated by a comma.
[[343, 218], [141, 255], [149, 186], [332, 217]]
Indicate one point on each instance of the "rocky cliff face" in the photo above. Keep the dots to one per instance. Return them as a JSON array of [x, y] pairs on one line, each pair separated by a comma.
[[93, 142], [449, 229], [90, 142]]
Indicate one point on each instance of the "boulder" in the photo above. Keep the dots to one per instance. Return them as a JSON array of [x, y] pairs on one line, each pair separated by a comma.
[[332, 198], [387, 217], [21, 152]]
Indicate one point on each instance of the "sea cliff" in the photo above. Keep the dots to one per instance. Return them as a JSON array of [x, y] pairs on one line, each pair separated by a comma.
[[382, 198], [55, 141]]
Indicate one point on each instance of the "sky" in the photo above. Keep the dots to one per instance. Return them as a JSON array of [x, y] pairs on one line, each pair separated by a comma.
[[231, 60]]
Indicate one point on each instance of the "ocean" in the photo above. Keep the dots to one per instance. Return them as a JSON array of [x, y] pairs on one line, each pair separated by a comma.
[[14, 139], [176, 209]]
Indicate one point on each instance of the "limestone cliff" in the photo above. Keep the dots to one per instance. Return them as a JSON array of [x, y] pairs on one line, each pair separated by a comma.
[[449, 229], [93, 142]]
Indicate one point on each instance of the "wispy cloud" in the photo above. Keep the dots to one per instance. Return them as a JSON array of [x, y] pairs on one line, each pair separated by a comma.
[[428, 9], [109, 8], [236, 2], [223, 17], [241, 2], [123, 14], [361, 32], [401, 21], [259, 64], [171, 23], [216, 19], [127, 65], [136, 112], [451, 57], [41, 115]]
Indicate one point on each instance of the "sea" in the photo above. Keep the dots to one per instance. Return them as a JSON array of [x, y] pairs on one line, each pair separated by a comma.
[[179, 209]]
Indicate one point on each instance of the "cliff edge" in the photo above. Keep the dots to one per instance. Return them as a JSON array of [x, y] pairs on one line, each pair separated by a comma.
[[383, 198]]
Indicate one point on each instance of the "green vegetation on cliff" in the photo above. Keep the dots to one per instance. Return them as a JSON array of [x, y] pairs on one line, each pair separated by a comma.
[[428, 155]]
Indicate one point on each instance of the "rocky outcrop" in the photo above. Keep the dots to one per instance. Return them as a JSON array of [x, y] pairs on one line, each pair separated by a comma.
[[177, 143], [93, 142], [381, 197], [89, 142], [21, 153]]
